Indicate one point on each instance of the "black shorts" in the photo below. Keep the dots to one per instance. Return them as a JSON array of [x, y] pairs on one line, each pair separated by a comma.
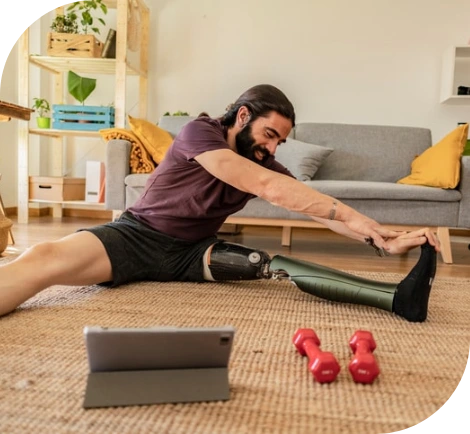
[[138, 252]]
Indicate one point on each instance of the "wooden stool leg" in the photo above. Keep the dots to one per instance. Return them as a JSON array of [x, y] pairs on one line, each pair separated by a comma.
[[11, 240]]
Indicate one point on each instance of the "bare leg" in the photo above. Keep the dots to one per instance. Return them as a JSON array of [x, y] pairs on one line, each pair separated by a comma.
[[78, 259]]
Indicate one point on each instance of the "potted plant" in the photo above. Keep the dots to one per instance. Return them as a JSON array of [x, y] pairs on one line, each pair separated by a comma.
[[178, 113], [85, 9], [41, 105], [82, 117], [65, 23], [65, 38]]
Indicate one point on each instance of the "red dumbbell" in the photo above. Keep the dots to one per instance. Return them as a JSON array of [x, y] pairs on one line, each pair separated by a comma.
[[363, 366], [323, 365]]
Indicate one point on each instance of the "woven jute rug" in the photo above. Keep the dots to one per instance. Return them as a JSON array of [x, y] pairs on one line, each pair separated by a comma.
[[43, 363]]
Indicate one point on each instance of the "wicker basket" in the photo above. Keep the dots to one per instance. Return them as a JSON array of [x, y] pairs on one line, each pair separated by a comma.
[[5, 225]]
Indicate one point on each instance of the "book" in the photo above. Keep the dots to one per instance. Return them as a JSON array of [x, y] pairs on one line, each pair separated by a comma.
[[109, 47]]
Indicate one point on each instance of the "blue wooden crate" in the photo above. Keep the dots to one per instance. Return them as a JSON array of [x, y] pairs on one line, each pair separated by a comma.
[[82, 117]]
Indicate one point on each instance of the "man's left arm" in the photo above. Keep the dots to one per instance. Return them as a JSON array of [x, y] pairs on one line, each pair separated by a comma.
[[396, 246]]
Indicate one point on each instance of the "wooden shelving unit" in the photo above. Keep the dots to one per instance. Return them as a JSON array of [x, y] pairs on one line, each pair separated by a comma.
[[120, 67]]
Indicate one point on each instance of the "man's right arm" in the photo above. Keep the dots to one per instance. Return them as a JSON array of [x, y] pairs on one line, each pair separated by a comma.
[[289, 193]]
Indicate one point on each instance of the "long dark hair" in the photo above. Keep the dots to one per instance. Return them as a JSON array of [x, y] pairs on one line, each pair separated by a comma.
[[260, 100]]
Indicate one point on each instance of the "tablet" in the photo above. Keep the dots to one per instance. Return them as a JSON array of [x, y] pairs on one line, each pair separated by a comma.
[[123, 349], [141, 366]]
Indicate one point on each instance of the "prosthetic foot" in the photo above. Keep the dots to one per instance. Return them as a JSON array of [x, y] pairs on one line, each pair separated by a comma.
[[408, 299]]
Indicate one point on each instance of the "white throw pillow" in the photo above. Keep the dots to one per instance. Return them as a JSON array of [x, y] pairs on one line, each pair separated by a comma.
[[301, 158]]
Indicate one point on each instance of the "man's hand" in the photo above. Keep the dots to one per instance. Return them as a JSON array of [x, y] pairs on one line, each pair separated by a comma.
[[364, 227], [409, 240]]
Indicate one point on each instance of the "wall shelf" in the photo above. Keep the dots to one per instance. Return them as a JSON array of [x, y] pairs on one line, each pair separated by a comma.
[[82, 65], [455, 73], [50, 132]]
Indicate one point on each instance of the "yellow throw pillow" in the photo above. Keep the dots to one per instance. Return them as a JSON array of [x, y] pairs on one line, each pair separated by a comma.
[[439, 166], [155, 140]]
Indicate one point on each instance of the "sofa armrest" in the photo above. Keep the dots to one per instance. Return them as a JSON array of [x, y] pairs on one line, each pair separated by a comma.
[[464, 187], [117, 168]]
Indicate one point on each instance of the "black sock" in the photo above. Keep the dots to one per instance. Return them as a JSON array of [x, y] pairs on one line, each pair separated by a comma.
[[412, 295]]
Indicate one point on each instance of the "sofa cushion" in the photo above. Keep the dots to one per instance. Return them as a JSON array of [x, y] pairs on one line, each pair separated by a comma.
[[174, 124], [155, 139], [302, 159], [365, 152], [368, 190], [396, 212], [439, 166]]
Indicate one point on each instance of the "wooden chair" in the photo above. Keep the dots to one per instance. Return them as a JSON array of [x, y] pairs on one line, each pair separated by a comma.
[[11, 240]]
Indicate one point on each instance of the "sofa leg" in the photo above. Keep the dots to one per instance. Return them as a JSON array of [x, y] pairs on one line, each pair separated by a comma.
[[286, 236], [444, 239]]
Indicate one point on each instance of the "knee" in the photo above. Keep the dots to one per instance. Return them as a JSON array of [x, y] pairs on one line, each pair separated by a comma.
[[43, 251], [229, 261]]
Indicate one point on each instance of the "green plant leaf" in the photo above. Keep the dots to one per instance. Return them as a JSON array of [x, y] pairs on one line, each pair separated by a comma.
[[42, 106], [80, 87], [85, 10]]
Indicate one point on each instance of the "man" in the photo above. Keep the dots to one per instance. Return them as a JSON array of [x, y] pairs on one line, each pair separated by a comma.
[[212, 169]]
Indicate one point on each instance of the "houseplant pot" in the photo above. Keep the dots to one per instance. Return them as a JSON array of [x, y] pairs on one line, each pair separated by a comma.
[[43, 122], [41, 105]]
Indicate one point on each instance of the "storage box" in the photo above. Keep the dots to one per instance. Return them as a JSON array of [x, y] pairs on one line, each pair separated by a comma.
[[73, 45], [82, 117], [56, 188], [95, 173]]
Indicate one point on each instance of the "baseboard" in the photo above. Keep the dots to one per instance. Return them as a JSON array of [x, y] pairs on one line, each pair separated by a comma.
[[39, 212], [11, 211], [32, 212], [231, 229], [460, 232], [88, 213], [66, 212]]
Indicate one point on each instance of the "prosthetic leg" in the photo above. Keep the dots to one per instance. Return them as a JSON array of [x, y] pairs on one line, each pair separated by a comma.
[[408, 299], [229, 261]]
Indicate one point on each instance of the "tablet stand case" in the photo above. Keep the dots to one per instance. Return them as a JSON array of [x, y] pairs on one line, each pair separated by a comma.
[[112, 388], [121, 388]]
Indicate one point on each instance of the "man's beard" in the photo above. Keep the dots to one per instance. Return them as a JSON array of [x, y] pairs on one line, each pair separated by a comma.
[[246, 145]]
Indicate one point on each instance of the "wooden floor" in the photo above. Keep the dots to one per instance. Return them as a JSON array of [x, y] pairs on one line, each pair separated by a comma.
[[320, 246]]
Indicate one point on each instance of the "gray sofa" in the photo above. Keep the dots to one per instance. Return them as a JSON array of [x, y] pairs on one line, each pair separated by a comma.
[[361, 171]]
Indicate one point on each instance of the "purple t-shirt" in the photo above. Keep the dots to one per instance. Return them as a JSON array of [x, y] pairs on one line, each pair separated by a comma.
[[181, 198]]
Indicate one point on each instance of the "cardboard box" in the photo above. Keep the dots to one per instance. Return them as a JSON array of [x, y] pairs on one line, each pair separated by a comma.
[[55, 188]]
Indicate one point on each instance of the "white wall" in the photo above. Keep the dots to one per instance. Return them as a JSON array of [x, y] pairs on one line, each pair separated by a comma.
[[368, 61]]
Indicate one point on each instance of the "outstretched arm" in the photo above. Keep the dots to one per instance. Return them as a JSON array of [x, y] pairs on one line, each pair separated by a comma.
[[287, 192]]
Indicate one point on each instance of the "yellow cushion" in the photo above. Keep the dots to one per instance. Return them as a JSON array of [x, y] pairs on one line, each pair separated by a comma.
[[155, 140], [439, 166]]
